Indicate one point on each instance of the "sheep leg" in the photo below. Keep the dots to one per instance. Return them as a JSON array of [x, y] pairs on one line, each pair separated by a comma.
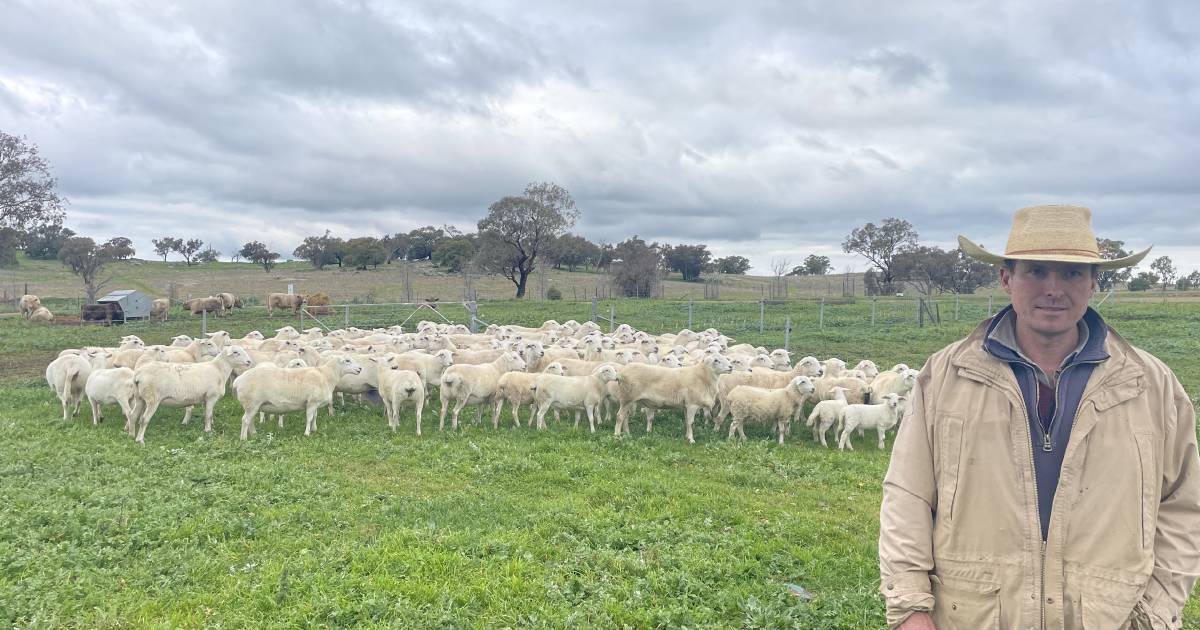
[[541, 415], [310, 419], [151, 407], [741, 432], [622, 417], [78, 400], [62, 398], [458, 407], [844, 442], [650, 419], [576, 418], [261, 415], [187, 414], [496, 407], [420, 407], [591, 414], [733, 426], [208, 413], [783, 429], [881, 432], [516, 415], [720, 417], [442, 415], [689, 416], [248, 421], [96, 417]]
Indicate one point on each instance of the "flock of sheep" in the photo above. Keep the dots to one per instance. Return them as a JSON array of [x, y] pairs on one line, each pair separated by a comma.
[[554, 367]]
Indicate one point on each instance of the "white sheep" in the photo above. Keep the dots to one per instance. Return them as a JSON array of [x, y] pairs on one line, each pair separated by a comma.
[[834, 367], [572, 392], [693, 388], [825, 414], [517, 389], [67, 375], [41, 315], [185, 385], [29, 303], [765, 378], [781, 359], [113, 386], [857, 390], [781, 406], [280, 390], [398, 385], [893, 383], [880, 417], [475, 384]]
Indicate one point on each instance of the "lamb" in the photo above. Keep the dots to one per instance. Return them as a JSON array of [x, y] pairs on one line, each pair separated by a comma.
[[285, 301], [825, 414], [185, 385], [475, 384], [67, 376], [765, 378], [893, 383], [29, 304], [783, 406], [41, 315], [517, 389], [693, 388], [857, 390], [880, 417], [572, 392], [113, 386], [159, 309], [280, 390], [397, 385]]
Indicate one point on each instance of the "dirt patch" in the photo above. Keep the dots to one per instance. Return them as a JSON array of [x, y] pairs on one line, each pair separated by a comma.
[[16, 367]]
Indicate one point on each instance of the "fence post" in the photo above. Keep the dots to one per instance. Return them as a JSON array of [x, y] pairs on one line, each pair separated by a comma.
[[612, 316], [989, 306], [762, 311], [593, 310], [473, 308], [921, 312], [689, 314], [346, 317], [787, 333], [821, 320], [203, 322], [873, 301], [955, 307]]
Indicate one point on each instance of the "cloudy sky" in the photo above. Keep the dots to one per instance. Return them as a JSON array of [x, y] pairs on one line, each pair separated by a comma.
[[766, 129]]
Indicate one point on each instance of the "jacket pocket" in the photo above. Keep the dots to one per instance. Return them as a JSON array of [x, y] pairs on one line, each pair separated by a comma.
[[1100, 613], [961, 604], [1149, 476], [950, 437]]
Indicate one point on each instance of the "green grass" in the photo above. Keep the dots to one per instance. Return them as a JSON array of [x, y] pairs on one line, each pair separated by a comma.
[[359, 527]]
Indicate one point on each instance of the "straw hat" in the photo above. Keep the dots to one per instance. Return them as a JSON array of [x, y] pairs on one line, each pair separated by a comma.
[[1051, 233]]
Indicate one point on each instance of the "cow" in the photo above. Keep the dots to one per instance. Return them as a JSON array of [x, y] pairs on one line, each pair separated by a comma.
[[284, 300], [159, 308], [230, 300], [210, 304]]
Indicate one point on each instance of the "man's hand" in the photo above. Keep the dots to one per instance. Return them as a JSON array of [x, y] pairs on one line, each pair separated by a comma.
[[918, 621]]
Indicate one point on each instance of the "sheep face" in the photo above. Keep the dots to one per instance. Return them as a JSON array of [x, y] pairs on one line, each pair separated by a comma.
[[719, 364], [802, 385]]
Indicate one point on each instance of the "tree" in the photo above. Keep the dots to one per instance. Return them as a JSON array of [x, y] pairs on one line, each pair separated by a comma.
[[968, 274], [86, 260], [258, 254], [44, 241], [9, 241], [422, 240], [1193, 279], [317, 250], [815, 265], [188, 249], [1143, 281], [871, 283], [606, 256], [517, 230], [208, 255], [364, 251], [926, 268], [397, 246], [734, 265], [880, 244], [636, 266], [453, 254], [1109, 250], [571, 251], [166, 245], [1165, 269], [688, 260], [27, 196], [120, 247]]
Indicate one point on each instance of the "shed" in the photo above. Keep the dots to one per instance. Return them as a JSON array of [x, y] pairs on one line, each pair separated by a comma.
[[129, 304]]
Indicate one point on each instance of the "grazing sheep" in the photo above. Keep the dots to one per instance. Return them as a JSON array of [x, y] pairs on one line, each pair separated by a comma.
[[285, 301], [826, 413], [159, 309], [113, 386], [41, 315], [781, 406], [880, 417], [29, 304], [517, 389], [280, 390], [475, 384], [398, 385], [654, 387], [893, 383], [67, 376], [185, 385], [572, 392]]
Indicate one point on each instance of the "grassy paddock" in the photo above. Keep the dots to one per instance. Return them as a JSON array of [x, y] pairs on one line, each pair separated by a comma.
[[358, 527]]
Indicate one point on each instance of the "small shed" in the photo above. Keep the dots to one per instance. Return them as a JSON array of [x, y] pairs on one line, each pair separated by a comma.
[[128, 304]]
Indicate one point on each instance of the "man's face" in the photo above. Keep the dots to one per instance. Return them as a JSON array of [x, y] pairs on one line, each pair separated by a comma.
[[1048, 297]]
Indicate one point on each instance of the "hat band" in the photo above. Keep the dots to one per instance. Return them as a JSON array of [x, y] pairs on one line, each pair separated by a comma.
[[1076, 252]]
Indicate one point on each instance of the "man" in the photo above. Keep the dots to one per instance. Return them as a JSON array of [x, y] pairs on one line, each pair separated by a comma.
[[1047, 476]]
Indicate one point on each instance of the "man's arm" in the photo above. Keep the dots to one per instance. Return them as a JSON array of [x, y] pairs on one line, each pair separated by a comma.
[[1176, 542], [906, 515]]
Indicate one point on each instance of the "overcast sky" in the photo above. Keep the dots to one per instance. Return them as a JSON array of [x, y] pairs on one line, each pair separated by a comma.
[[762, 129]]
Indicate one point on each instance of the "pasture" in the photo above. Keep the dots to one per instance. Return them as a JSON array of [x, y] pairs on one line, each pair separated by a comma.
[[360, 527]]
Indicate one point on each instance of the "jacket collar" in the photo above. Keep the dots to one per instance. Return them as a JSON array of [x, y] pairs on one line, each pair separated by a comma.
[[1092, 350]]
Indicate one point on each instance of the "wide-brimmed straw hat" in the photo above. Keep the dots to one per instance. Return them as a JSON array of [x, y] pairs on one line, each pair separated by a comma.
[[1051, 233]]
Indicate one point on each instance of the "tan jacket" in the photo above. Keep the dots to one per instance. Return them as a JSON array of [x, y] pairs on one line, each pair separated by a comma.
[[959, 530]]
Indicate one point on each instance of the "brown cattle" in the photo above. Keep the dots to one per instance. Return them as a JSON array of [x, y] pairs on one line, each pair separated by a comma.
[[210, 304], [230, 300], [159, 308], [283, 300]]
